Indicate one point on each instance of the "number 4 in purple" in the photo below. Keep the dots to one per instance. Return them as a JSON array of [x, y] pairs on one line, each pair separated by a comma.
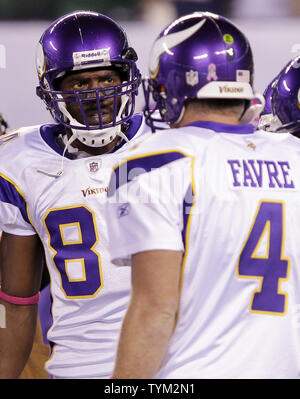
[[271, 267]]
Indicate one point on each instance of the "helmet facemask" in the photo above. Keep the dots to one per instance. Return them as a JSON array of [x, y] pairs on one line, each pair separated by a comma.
[[91, 134]]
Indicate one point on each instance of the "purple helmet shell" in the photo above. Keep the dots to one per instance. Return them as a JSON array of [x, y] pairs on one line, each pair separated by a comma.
[[200, 55], [268, 96], [83, 40], [286, 97]]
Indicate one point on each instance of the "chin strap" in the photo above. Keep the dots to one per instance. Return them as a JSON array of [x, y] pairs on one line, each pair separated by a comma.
[[96, 137], [71, 150], [254, 110], [61, 170]]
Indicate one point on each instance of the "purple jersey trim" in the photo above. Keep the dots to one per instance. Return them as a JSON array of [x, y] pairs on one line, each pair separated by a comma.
[[10, 195], [223, 127], [143, 164], [45, 315], [187, 205], [49, 134]]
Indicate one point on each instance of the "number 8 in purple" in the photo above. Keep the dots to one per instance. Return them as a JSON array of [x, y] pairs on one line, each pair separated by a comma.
[[80, 221], [270, 268]]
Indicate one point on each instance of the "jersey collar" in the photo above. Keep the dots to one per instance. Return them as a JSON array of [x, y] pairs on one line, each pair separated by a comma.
[[51, 132], [224, 127]]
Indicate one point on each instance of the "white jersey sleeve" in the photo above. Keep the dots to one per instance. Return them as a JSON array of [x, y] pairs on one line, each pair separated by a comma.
[[161, 192], [15, 218]]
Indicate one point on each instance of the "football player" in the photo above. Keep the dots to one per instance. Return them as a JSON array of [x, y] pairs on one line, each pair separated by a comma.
[[52, 197], [34, 368], [282, 101], [209, 223]]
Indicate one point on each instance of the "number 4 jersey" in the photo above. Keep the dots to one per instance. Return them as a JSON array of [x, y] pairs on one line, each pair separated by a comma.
[[89, 294], [229, 199]]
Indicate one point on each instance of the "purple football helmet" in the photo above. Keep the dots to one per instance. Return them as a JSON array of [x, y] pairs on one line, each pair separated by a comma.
[[267, 120], [286, 98], [200, 55], [78, 41]]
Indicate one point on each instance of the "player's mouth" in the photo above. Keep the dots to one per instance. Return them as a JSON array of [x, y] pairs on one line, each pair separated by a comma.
[[93, 116]]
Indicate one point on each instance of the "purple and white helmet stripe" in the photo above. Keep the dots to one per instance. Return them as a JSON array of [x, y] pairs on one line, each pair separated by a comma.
[[200, 55]]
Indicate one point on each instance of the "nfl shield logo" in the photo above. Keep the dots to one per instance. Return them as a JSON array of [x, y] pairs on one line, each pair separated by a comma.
[[192, 78], [94, 166]]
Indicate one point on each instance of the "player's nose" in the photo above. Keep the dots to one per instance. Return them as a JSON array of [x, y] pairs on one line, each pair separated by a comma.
[[94, 85]]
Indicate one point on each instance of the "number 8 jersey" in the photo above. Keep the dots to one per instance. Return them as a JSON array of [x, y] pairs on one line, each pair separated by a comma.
[[89, 295]]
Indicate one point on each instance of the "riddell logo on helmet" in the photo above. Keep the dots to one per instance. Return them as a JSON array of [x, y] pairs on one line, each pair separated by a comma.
[[96, 55], [92, 54], [228, 89]]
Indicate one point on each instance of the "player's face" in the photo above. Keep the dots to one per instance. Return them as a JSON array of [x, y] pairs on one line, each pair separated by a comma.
[[89, 80]]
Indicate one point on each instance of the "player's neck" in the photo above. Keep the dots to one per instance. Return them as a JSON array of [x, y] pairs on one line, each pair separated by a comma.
[[190, 117]]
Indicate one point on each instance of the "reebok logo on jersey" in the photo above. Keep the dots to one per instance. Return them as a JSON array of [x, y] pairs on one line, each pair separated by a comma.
[[123, 210], [93, 191], [261, 174]]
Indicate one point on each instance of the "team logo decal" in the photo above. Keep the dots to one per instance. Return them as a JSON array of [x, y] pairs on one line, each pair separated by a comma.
[[192, 78], [250, 144], [228, 39], [94, 166], [212, 72]]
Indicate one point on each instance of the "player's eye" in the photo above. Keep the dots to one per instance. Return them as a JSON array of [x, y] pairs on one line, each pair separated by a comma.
[[109, 80], [80, 85]]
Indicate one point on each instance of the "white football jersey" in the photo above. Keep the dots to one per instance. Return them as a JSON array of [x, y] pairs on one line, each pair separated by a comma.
[[89, 295], [229, 199]]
